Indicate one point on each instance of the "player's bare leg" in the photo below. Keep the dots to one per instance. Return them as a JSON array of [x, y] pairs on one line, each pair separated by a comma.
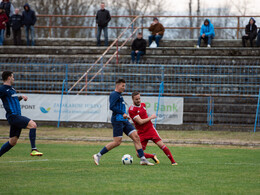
[[116, 142], [32, 135], [138, 146], [13, 140]]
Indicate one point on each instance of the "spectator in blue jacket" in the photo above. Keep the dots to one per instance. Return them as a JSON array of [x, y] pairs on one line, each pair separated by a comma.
[[29, 19], [16, 22], [207, 33]]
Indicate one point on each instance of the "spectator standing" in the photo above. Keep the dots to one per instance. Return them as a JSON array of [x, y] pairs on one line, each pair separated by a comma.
[[138, 48], [207, 33], [102, 19], [251, 32], [9, 11], [3, 21], [16, 22], [157, 31], [29, 20]]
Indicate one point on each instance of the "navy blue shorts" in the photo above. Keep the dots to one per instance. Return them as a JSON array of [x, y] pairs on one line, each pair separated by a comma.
[[17, 123], [122, 126]]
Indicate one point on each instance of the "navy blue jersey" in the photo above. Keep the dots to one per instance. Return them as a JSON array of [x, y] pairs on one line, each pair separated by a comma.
[[117, 105], [10, 101]]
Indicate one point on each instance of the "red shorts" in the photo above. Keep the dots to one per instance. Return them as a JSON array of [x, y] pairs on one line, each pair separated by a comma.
[[151, 134]]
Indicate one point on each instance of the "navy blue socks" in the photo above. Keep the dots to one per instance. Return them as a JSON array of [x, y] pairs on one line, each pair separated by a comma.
[[32, 136], [140, 153], [5, 148], [103, 151]]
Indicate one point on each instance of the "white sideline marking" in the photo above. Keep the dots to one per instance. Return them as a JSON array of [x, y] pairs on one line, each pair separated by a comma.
[[41, 160], [26, 161], [253, 164], [181, 162]]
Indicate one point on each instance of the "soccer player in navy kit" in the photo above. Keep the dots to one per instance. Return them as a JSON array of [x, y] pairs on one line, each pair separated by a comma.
[[121, 124], [11, 102]]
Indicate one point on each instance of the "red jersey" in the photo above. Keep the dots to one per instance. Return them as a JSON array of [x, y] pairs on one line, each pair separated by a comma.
[[135, 111]]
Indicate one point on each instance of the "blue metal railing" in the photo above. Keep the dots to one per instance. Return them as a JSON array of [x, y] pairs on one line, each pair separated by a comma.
[[186, 80], [179, 79]]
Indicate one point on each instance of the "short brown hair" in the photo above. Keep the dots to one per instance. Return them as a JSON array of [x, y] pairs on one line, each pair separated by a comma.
[[120, 80], [6, 74], [135, 93]]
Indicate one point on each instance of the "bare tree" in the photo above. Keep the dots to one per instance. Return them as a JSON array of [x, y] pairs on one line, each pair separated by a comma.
[[198, 14], [191, 19]]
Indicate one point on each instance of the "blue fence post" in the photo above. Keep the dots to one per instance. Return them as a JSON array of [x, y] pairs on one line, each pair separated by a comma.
[[210, 111], [61, 103], [66, 77], [161, 91], [257, 112], [158, 103]]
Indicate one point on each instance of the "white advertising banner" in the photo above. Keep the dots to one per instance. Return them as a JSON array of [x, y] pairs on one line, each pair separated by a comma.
[[89, 108], [74, 108], [170, 110]]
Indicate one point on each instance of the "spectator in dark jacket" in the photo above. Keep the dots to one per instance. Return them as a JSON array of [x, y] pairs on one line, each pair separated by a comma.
[[251, 32], [102, 19], [3, 21], [138, 48], [258, 39], [9, 11], [157, 31], [16, 22], [29, 20]]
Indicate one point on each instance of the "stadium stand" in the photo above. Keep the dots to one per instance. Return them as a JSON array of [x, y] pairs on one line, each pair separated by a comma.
[[225, 70]]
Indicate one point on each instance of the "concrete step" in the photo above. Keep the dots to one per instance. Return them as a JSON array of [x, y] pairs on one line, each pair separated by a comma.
[[161, 51], [126, 59], [163, 43]]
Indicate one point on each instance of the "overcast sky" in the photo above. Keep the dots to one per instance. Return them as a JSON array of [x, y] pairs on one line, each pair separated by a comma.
[[180, 6]]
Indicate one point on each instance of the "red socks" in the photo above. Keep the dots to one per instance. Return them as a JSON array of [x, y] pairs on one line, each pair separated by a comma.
[[168, 153], [165, 150], [148, 155]]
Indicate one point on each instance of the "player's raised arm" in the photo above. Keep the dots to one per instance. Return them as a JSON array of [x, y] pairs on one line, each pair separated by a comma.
[[143, 121], [23, 97]]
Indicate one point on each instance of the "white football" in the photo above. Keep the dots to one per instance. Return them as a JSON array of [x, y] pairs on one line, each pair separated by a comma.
[[127, 159]]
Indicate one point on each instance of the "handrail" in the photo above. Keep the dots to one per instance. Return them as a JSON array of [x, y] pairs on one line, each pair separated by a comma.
[[50, 26], [115, 41]]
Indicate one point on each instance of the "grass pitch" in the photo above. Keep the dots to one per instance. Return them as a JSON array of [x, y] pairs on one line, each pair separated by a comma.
[[68, 168]]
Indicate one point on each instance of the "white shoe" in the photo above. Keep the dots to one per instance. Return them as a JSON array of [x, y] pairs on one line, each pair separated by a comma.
[[96, 159], [198, 46], [146, 162], [208, 46]]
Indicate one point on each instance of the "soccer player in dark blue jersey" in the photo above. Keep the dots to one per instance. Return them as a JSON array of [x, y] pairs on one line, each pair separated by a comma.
[[121, 124], [11, 102]]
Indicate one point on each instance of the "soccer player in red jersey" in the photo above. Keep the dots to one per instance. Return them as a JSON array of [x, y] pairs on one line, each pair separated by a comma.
[[146, 130]]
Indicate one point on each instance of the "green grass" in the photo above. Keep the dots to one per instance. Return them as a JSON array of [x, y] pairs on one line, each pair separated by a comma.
[[69, 169]]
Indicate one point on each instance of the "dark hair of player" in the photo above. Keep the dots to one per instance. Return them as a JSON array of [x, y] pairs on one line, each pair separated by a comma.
[[135, 93], [6, 74], [118, 81]]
